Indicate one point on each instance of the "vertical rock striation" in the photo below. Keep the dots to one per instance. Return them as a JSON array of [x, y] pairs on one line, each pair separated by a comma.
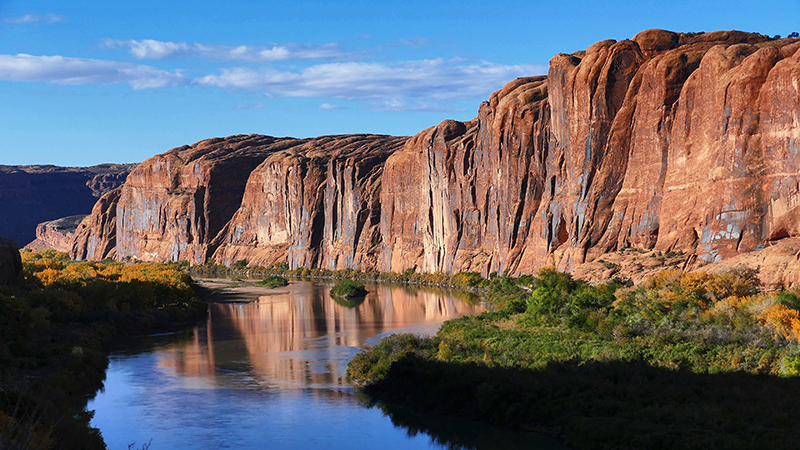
[[313, 203], [174, 204]]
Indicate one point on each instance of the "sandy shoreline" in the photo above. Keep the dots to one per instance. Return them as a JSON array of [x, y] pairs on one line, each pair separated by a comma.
[[226, 290]]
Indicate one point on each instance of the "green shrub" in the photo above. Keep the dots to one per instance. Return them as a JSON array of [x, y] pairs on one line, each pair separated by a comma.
[[273, 281], [349, 289]]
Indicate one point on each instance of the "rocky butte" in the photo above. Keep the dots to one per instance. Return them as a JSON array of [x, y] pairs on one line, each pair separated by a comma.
[[683, 142]]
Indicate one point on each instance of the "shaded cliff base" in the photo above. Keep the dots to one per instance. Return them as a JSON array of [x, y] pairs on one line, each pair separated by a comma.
[[777, 265]]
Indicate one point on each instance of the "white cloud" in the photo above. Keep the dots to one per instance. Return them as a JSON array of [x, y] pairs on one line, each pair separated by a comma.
[[424, 85], [434, 79], [152, 49], [30, 18], [72, 71]]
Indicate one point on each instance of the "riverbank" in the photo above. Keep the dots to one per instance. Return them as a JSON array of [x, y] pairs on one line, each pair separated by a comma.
[[684, 361], [57, 326], [471, 282]]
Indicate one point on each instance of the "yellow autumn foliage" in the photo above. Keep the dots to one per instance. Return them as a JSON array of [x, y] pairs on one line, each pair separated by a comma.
[[783, 320]]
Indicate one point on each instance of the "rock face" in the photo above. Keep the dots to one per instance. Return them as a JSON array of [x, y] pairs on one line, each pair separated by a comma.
[[56, 234], [254, 197], [667, 142], [95, 238], [316, 202], [30, 195], [173, 204], [659, 142], [10, 261]]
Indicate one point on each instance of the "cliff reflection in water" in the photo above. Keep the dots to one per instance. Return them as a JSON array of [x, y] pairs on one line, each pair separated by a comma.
[[299, 337]]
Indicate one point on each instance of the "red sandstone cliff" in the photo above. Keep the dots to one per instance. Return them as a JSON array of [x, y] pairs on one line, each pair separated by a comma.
[[657, 142], [255, 197], [56, 234], [315, 202], [667, 141]]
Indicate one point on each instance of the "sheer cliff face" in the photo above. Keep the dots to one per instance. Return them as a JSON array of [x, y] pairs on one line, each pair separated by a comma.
[[173, 204], [314, 203], [667, 141], [95, 238], [461, 196]]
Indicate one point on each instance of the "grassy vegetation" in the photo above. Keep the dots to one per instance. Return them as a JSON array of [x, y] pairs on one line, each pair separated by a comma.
[[273, 281], [348, 289], [56, 327], [688, 360]]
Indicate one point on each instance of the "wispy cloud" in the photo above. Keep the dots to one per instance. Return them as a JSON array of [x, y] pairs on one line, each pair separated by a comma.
[[435, 79], [30, 18], [423, 85], [72, 71], [152, 49]]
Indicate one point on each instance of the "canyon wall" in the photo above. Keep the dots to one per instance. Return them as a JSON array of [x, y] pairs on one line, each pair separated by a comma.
[[246, 197], [30, 195], [56, 234], [667, 141]]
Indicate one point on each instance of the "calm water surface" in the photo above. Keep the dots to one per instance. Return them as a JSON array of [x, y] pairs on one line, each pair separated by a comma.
[[270, 374]]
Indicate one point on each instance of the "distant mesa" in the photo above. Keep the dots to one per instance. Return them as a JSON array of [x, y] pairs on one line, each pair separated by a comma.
[[30, 195], [670, 143]]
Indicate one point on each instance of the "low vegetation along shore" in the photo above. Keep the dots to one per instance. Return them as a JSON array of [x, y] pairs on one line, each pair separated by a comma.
[[57, 326], [687, 360]]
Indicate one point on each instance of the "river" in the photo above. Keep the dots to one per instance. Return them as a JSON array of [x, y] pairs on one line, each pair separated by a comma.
[[267, 371]]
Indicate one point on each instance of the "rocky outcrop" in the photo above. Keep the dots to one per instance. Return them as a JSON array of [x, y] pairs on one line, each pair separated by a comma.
[[30, 195], [56, 234], [10, 262], [95, 238], [667, 142], [777, 265]]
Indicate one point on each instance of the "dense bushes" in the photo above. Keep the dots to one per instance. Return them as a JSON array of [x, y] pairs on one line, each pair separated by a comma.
[[348, 289], [55, 330], [273, 281], [549, 328], [411, 276]]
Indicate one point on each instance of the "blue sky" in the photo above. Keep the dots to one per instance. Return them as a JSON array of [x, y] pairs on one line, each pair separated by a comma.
[[85, 82]]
